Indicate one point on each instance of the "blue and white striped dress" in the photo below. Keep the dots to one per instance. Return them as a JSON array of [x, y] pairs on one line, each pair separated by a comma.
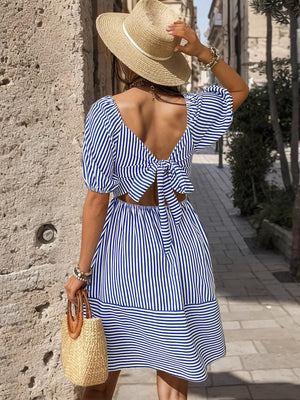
[[152, 283]]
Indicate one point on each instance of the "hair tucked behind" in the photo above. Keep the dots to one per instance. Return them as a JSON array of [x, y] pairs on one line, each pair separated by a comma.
[[172, 91]]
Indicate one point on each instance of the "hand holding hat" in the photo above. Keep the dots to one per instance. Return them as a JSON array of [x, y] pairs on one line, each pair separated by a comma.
[[193, 47], [140, 40]]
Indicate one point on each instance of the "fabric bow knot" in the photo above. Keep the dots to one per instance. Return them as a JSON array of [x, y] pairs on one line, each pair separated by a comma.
[[170, 177]]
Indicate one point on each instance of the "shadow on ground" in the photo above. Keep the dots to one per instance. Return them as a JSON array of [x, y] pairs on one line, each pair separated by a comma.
[[227, 386]]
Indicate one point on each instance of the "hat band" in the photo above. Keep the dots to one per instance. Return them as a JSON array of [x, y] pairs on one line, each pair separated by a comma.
[[141, 50]]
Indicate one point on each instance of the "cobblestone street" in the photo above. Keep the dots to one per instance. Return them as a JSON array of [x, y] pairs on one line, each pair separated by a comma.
[[261, 316]]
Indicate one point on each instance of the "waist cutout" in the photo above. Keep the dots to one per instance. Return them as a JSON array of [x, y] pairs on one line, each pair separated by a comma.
[[149, 200]]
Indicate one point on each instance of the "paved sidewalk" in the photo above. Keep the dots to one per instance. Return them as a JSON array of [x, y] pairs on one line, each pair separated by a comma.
[[261, 316]]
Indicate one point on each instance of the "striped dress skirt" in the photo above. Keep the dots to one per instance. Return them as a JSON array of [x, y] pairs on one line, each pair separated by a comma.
[[158, 310]]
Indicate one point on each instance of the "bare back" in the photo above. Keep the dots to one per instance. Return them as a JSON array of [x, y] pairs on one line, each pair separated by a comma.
[[157, 124]]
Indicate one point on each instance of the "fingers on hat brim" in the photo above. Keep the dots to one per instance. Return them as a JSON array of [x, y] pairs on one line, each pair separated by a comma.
[[172, 72]]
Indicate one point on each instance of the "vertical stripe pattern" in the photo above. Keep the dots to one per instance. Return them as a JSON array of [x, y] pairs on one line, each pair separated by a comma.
[[152, 282]]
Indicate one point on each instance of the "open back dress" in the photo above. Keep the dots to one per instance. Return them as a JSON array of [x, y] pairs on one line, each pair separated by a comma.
[[152, 283]]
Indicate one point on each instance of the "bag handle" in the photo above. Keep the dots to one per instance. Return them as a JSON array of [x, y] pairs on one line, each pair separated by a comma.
[[75, 323]]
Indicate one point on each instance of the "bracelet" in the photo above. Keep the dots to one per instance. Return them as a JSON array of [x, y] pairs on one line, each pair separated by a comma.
[[82, 276], [81, 279], [216, 57], [89, 273]]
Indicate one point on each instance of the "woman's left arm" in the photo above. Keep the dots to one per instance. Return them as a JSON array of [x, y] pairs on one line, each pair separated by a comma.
[[227, 76], [93, 218]]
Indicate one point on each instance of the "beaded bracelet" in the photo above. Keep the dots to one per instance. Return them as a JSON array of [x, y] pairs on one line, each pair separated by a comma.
[[82, 276], [216, 57]]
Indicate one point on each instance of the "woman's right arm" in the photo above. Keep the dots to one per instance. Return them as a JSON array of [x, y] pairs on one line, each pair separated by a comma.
[[227, 76], [93, 219]]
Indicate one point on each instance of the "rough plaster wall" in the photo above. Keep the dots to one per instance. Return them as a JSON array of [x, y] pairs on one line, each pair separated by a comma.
[[46, 89], [102, 56]]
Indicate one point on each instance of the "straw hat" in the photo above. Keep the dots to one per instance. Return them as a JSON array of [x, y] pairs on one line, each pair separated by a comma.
[[141, 42]]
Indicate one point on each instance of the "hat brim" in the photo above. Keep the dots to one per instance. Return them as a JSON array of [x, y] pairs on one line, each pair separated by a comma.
[[172, 72]]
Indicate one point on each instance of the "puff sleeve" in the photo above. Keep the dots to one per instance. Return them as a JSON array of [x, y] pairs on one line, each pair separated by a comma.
[[98, 151], [214, 116]]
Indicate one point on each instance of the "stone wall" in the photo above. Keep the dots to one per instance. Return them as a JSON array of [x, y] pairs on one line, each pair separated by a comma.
[[46, 84], [279, 237]]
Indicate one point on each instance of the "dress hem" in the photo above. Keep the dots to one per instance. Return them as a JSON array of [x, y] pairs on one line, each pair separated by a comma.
[[122, 367], [181, 343]]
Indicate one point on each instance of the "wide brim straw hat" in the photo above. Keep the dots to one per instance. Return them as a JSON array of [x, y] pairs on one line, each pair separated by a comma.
[[140, 41]]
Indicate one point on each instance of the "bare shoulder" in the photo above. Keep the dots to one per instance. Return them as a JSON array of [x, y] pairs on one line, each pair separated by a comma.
[[127, 101]]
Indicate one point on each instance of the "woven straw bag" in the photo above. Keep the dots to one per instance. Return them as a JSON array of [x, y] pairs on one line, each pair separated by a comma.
[[83, 346]]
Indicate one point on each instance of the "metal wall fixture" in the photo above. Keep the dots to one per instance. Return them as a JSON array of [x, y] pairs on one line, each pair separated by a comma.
[[46, 233]]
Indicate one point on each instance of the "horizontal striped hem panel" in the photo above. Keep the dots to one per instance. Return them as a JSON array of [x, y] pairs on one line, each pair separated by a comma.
[[181, 343]]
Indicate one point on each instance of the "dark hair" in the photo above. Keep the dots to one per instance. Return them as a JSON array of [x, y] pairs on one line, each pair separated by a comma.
[[168, 90]]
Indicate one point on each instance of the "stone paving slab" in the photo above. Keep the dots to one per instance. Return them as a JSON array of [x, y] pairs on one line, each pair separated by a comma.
[[274, 375], [242, 347], [271, 361], [232, 378], [229, 392], [259, 334], [274, 391], [136, 391], [260, 315]]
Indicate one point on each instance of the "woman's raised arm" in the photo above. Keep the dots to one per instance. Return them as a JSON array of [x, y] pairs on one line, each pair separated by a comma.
[[227, 76]]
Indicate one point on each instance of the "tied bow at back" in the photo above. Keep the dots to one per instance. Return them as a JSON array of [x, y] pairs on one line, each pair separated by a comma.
[[170, 177]]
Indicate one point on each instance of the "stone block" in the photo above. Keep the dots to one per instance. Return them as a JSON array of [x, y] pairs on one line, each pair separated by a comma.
[[231, 378], [274, 391], [260, 334], [247, 314], [244, 307], [274, 375], [137, 375], [196, 392], [227, 364], [271, 361], [282, 238], [231, 325], [134, 391], [286, 321], [260, 347], [292, 309], [281, 346], [238, 348], [260, 323], [292, 288], [297, 371], [233, 392]]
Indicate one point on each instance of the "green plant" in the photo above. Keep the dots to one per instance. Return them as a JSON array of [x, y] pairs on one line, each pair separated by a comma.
[[250, 159], [252, 144], [283, 90], [277, 208], [264, 240]]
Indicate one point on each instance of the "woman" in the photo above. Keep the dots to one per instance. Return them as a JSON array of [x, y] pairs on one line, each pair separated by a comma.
[[152, 283]]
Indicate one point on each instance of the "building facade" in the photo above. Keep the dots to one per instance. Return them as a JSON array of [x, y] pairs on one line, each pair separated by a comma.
[[240, 35], [53, 67]]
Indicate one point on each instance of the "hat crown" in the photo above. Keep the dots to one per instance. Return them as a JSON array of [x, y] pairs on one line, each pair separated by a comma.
[[146, 26]]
